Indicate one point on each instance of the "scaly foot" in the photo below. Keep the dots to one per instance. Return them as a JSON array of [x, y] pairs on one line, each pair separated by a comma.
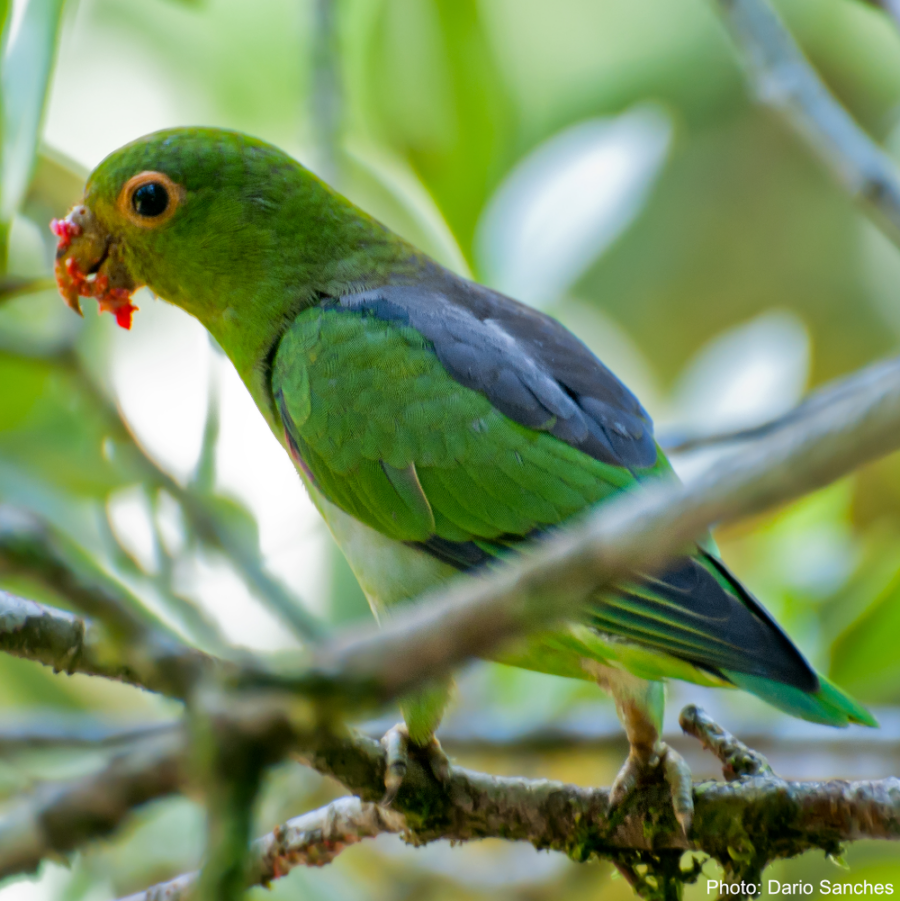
[[396, 743], [642, 763]]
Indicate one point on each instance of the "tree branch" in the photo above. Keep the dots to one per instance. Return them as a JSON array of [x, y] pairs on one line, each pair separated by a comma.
[[591, 728], [737, 759], [57, 729], [575, 820], [70, 644], [783, 79], [759, 815], [313, 839], [60, 817], [753, 817], [838, 430], [854, 422], [200, 512]]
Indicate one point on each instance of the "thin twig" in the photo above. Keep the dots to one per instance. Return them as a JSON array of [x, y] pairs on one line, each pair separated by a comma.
[[823, 397], [32, 548], [783, 79], [199, 625], [12, 287], [737, 759], [72, 644], [120, 639], [51, 729], [199, 510], [326, 99], [592, 729], [313, 839], [208, 526], [203, 479], [58, 818]]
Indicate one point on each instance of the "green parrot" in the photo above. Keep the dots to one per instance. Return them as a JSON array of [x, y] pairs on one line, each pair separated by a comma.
[[436, 424]]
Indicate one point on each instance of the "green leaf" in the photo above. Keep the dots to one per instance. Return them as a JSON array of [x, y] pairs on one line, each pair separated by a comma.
[[25, 69], [26, 381], [12, 286], [435, 85], [49, 428], [234, 522], [864, 656], [56, 186]]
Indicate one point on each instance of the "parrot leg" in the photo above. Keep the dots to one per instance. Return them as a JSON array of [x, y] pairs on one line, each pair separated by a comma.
[[640, 704], [422, 713]]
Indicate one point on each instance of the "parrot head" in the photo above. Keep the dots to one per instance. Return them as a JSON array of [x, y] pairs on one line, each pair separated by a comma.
[[229, 228], [174, 211]]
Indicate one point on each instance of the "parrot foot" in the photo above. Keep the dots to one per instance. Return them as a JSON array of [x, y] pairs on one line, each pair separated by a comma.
[[396, 743], [643, 764]]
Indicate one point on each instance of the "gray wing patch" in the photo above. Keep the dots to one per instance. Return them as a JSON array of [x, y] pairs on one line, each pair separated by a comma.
[[528, 365]]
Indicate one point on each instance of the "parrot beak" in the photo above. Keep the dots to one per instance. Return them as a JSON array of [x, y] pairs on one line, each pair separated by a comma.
[[88, 265]]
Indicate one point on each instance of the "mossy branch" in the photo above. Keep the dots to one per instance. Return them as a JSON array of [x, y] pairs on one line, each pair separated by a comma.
[[71, 644], [741, 823], [744, 823]]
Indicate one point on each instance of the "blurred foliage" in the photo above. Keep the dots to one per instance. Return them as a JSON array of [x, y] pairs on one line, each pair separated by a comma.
[[740, 278]]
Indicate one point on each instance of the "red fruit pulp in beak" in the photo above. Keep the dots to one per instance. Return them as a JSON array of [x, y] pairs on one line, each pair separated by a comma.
[[81, 252]]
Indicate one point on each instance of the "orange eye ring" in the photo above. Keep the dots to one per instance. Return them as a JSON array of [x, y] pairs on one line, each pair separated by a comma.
[[160, 185]]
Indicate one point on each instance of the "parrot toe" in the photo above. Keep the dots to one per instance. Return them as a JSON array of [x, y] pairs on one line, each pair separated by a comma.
[[438, 760], [681, 784], [396, 743], [640, 766]]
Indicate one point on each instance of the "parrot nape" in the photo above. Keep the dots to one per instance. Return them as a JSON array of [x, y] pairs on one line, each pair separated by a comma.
[[436, 424]]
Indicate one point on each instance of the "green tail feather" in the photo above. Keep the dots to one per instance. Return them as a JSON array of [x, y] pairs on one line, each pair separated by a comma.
[[829, 705]]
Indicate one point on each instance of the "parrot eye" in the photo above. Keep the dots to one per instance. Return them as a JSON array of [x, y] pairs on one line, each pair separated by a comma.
[[150, 200]]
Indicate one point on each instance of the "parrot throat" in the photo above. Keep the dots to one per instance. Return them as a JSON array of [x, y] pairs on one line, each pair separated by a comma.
[[249, 329], [250, 312]]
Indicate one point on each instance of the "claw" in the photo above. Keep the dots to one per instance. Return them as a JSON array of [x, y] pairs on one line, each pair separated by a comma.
[[639, 766], [678, 775], [396, 746], [438, 760], [626, 781], [396, 742]]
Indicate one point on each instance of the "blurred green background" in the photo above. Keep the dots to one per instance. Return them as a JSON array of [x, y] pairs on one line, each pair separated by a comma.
[[598, 158]]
